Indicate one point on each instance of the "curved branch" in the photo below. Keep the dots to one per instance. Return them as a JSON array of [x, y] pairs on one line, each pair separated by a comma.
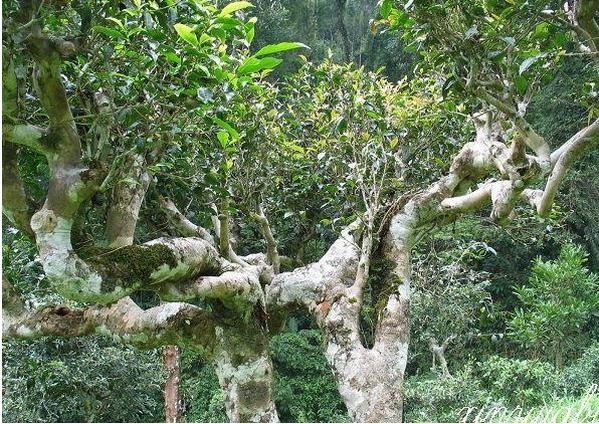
[[564, 158], [183, 225], [314, 285]]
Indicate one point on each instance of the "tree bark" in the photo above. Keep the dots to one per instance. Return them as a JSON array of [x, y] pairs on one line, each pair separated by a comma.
[[126, 198], [244, 370], [172, 409], [340, 9]]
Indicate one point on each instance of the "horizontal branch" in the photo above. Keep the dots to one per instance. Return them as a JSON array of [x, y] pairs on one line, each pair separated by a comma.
[[25, 135], [179, 324], [170, 323]]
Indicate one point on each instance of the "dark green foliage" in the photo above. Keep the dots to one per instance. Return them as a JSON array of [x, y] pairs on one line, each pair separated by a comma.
[[305, 390], [558, 112], [429, 398], [517, 382], [202, 397], [578, 377], [316, 23], [80, 380], [557, 305]]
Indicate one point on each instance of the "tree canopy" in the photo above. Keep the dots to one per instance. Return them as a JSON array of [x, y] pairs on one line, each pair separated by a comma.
[[245, 181]]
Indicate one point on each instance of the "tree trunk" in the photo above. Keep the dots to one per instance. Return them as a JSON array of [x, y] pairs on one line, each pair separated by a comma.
[[244, 370], [171, 386], [340, 6], [370, 383]]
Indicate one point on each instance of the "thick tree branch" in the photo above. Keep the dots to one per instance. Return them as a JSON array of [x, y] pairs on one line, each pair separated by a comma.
[[126, 198], [171, 323], [238, 288], [26, 135], [564, 158], [14, 200]]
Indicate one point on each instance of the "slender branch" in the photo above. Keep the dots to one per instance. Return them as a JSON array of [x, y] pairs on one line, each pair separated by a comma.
[[183, 225], [272, 251], [224, 242]]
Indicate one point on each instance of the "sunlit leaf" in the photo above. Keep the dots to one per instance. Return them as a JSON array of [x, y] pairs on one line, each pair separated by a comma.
[[187, 34], [254, 64], [234, 7], [280, 47]]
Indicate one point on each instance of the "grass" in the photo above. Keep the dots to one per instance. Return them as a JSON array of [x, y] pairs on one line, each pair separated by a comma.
[[584, 409]]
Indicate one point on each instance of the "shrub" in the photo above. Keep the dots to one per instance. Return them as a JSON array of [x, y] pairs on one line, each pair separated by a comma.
[[202, 398], [429, 398], [580, 375], [80, 380], [558, 302], [517, 382], [305, 390]]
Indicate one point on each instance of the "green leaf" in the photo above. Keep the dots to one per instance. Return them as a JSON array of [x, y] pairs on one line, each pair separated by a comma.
[[173, 57], [521, 84], [527, 63], [280, 47], [232, 131], [252, 64], [204, 38], [187, 34], [251, 32], [109, 32], [385, 8], [116, 21], [223, 138], [234, 7]]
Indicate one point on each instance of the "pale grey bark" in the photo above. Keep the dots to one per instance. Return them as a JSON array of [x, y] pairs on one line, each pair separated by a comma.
[[182, 224], [370, 380], [244, 370], [438, 351], [125, 200]]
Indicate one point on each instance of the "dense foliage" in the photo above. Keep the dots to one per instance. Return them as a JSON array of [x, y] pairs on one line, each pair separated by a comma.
[[371, 103]]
